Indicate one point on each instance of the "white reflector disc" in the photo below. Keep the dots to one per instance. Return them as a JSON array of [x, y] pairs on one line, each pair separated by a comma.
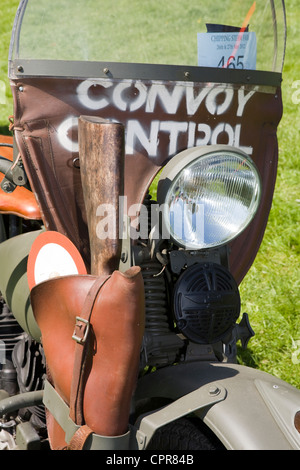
[[53, 255]]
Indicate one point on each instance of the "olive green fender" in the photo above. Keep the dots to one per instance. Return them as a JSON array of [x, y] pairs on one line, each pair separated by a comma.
[[13, 280], [247, 409]]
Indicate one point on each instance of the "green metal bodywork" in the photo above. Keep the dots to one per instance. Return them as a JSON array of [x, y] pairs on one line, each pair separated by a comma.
[[247, 409], [13, 280], [257, 412], [259, 407]]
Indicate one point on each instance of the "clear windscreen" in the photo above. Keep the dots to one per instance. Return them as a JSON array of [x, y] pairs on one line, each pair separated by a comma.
[[220, 33]]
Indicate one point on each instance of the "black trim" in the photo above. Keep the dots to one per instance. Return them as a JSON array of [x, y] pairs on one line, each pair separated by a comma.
[[83, 70]]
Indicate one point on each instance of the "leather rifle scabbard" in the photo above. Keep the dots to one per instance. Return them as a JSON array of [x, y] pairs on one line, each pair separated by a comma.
[[104, 316]]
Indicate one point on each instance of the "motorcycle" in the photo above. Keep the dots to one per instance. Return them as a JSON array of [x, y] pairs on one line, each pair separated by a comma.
[[133, 205]]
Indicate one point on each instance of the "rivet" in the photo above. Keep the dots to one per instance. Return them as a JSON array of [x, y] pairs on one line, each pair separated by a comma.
[[76, 163], [106, 70], [20, 68]]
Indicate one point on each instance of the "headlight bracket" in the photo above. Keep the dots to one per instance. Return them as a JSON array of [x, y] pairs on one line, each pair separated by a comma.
[[181, 259]]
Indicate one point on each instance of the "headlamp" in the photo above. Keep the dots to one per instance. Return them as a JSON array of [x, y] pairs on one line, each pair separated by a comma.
[[208, 196]]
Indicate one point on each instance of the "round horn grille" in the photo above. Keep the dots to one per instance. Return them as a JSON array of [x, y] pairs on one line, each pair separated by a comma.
[[206, 303]]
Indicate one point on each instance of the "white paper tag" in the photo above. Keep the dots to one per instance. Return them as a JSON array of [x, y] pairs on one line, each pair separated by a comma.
[[227, 50]]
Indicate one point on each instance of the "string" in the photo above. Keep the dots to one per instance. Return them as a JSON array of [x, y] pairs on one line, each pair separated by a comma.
[[240, 35]]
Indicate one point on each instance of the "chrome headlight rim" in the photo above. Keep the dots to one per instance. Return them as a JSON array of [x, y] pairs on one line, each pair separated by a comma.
[[180, 162]]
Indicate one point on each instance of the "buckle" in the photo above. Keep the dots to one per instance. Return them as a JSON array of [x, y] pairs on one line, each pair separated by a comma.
[[83, 326]]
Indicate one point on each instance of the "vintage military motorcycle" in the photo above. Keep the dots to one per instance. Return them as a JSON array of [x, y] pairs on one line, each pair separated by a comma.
[[133, 205]]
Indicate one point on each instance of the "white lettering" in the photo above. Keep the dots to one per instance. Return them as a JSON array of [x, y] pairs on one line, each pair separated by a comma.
[[191, 134], [142, 96], [197, 135], [123, 460], [173, 128], [237, 137], [129, 96], [138, 214], [86, 100], [117, 96], [243, 100], [220, 129], [217, 100], [123, 103], [212, 103], [193, 103], [2, 92], [206, 130], [136, 132], [106, 227], [169, 99], [64, 131], [296, 94]]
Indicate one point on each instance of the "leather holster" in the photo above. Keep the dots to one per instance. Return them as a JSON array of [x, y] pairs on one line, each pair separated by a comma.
[[92, 329]]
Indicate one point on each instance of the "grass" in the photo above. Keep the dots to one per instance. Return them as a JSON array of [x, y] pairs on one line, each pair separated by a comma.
[[7, 13], [270, 291]]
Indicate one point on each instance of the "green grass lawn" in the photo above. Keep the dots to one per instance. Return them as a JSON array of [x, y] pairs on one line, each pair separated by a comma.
[[7, 13], [270, 291]]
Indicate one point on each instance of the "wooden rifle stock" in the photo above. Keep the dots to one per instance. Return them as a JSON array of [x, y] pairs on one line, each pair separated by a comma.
[[101, 154]]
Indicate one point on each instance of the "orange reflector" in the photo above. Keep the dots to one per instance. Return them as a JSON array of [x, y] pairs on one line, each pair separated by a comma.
[[52, 255]]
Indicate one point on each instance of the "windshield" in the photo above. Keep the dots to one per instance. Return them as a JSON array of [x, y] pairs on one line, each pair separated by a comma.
[[219, 33]]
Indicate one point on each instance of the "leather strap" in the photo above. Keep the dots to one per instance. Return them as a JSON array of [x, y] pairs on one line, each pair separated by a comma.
[[79, 438], [83, 351]]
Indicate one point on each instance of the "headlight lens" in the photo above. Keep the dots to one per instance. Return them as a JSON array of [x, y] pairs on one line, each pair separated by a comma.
[[208, 196]]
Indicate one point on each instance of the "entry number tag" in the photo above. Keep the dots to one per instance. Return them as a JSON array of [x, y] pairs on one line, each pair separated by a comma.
[[227, 50]]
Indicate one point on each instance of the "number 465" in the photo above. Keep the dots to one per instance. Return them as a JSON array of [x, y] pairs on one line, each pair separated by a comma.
[[232, 62]]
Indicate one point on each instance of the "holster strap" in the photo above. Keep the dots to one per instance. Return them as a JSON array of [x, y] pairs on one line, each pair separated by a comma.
[[61, 412], [79, 438], [84, 346]]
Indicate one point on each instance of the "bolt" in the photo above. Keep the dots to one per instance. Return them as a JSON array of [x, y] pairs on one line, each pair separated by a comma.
[[106, 70], [214, 390], [20, 68], [7, 187]]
